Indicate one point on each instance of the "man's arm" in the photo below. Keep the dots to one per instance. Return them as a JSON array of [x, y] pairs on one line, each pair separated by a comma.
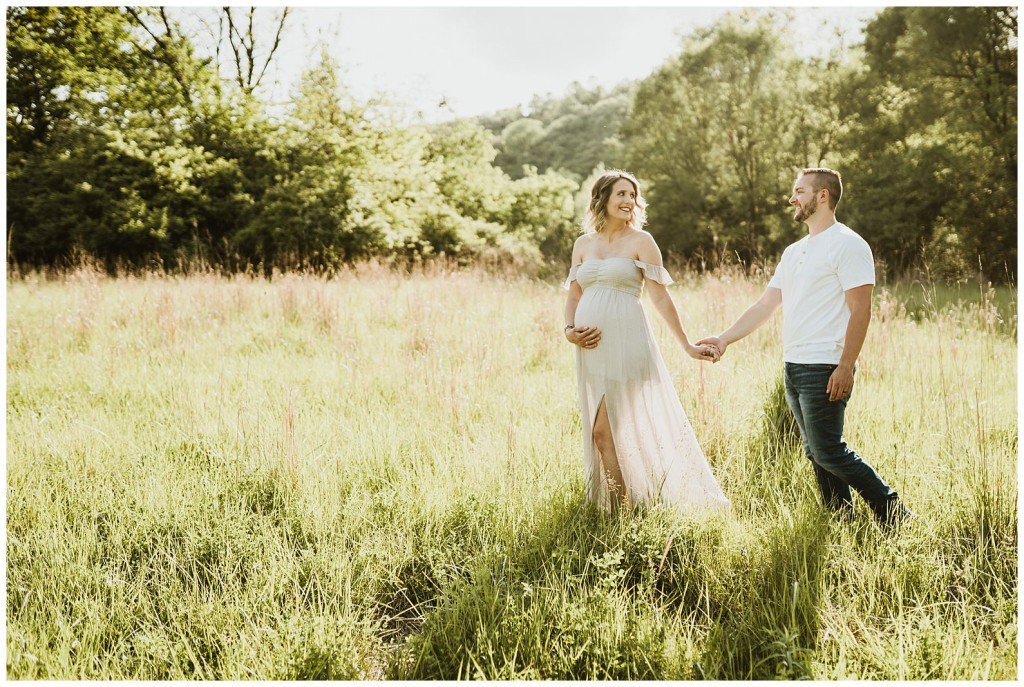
[[840, 384], [754, 316]]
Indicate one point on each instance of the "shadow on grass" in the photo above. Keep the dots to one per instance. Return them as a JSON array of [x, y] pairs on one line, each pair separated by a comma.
[[774, 457], [579, 595], [438, 559], [467, 620], [770, 630], [773, 633]]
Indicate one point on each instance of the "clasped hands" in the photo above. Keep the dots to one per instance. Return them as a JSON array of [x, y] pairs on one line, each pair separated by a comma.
[[716, 345]]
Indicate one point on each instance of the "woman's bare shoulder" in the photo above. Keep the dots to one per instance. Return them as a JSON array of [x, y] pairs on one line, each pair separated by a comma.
[[646, 247], [580, 247], [641, 240], [643, 236]]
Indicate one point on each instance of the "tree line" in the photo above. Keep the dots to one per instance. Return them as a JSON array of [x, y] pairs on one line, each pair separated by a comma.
[[124, 143]]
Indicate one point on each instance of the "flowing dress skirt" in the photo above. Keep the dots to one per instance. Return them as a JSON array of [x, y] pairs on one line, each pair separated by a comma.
[[658, 452]]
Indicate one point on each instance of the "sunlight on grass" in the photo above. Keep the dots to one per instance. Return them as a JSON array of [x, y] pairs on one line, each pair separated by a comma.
[[380, 476]]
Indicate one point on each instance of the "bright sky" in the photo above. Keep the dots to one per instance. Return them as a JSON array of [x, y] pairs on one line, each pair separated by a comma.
[[477, 60]]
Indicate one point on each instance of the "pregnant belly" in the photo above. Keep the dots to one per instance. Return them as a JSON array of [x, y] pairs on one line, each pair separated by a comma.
[[626, 352], [608, 309], [592, 310]]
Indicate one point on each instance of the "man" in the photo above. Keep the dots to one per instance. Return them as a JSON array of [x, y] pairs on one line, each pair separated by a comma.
[[823, 284]]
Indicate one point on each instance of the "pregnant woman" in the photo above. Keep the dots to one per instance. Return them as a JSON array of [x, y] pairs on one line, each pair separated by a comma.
[[638, 445]]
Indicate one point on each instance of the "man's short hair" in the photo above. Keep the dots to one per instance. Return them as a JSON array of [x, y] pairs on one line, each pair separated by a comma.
[[828, 179]]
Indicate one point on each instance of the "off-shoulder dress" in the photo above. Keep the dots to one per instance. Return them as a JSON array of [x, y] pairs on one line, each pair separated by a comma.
[[658, 452]]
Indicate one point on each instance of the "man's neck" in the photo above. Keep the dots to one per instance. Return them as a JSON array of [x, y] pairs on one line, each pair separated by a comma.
[[819, 222]]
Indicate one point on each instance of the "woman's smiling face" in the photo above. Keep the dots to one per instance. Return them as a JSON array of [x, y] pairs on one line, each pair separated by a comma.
[[621, 201]]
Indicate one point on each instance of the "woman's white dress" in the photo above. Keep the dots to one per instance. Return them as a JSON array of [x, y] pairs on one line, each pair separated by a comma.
[[658, 452]]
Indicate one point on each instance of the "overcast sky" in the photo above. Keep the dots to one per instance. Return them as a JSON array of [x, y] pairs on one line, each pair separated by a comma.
[[477, 60]]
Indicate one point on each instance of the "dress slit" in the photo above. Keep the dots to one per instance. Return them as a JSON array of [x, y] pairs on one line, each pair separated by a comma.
[[602, 469]]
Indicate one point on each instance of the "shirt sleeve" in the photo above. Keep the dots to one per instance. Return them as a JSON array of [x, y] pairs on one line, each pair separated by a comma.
[[776, 280], [856, 265]]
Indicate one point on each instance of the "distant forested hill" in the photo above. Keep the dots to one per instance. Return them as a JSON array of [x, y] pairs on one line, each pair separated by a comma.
[[571, 134]]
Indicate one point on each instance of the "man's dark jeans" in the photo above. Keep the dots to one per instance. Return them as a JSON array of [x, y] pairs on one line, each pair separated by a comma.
[[836, 466]]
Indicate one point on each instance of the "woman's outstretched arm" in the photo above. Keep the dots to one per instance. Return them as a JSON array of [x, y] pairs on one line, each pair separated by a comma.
[[649, 252]]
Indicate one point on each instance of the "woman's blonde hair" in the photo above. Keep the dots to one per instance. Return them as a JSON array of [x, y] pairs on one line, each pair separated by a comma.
[[596, 215]]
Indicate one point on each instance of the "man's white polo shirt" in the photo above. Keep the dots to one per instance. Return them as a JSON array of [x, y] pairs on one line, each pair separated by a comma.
[[813, 275]]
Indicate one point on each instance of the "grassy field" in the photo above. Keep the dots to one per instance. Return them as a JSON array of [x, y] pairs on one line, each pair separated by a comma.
[[380, 476]]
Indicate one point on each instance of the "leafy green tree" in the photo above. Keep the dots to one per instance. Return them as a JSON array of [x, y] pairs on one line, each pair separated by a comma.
[[579, 141], [466, 177], [528, 220], [935, 139], [301, 219], [542, 214], [62, 63], [518, 145], [130, 151], [473, 195], [80, 83], [716, 133]]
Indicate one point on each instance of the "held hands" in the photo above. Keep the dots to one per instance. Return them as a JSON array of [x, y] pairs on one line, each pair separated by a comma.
[[716, 344], [706, 353], [840, 384], [584, 337]]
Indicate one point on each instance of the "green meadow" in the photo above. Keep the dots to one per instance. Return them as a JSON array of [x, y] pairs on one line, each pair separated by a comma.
[[378, 475]]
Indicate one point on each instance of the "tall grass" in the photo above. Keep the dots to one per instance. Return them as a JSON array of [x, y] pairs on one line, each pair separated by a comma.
[[379, 475]]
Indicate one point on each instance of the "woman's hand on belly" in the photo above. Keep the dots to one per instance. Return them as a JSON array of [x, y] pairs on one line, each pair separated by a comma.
[[584, 337]]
